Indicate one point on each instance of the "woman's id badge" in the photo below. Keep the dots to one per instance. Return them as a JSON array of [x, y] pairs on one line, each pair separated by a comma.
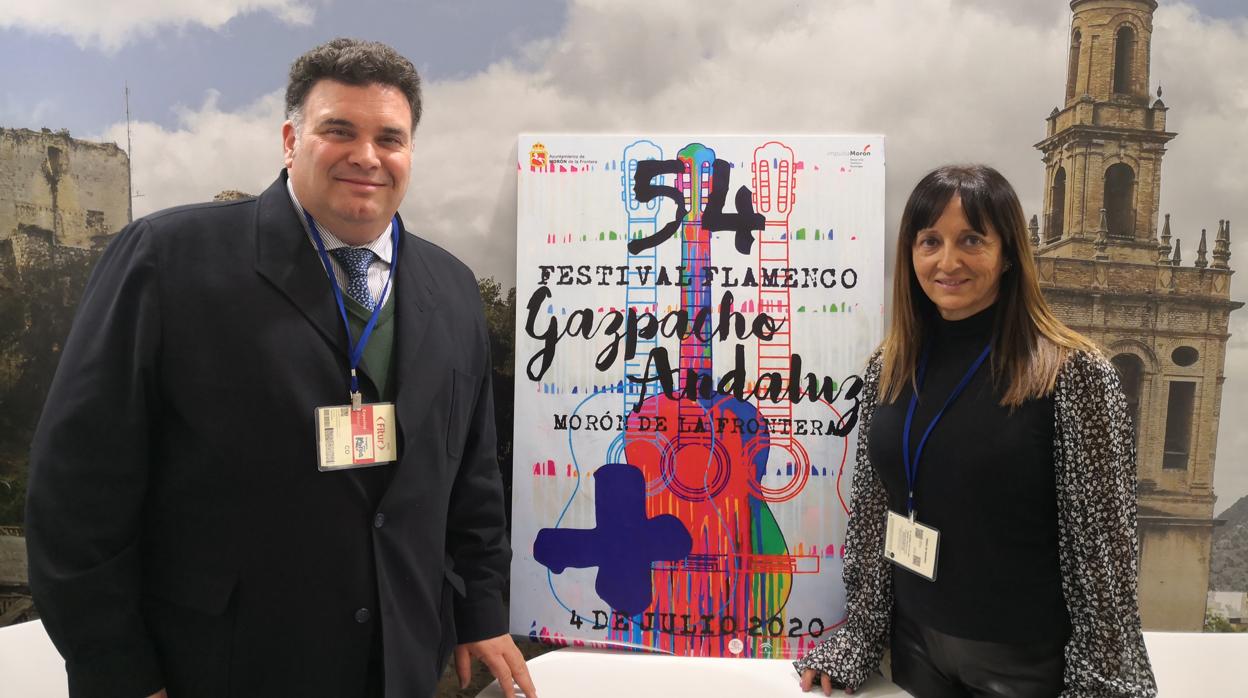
[[911, 545], [355, 438]]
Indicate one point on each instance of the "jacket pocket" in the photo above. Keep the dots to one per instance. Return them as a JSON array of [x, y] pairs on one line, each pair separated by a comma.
[[463, 400], [192, 620]]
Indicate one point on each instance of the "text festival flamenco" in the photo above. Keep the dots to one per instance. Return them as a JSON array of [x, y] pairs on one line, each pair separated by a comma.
[[726, 277]]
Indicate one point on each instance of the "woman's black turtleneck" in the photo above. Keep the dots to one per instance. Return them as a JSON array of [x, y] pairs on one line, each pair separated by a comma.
[[986, 482]]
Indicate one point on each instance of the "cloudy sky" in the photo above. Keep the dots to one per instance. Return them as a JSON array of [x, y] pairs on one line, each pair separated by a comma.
[[945, 80]]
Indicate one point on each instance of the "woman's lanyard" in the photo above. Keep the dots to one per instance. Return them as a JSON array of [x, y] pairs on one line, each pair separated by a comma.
[[912, 464], [356, 348]]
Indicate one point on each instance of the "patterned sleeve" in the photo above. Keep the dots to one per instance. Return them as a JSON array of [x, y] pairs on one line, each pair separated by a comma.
[[851, 655], [1094, 458]]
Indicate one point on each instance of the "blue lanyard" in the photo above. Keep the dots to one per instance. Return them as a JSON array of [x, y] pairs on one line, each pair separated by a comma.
[[912, 464], [356, 348]]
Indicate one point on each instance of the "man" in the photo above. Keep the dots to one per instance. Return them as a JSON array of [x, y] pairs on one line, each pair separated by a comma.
[[197, 525]]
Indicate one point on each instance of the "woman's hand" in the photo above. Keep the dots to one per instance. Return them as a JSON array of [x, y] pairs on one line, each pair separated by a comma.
[[825, 682]]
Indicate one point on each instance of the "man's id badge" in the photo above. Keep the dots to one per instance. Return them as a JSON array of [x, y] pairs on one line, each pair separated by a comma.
[[358, 438], [911, 545]]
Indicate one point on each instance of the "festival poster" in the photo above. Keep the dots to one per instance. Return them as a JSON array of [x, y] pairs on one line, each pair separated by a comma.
[[693, 317]]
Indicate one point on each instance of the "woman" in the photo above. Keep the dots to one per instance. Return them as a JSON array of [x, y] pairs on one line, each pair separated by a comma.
[[1003, 493]]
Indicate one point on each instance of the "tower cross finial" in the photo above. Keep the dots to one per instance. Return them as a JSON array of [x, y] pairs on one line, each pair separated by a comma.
[[1222, 246], [1163, 250]]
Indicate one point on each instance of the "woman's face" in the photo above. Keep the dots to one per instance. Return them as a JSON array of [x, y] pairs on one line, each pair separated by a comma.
[[958, 268]]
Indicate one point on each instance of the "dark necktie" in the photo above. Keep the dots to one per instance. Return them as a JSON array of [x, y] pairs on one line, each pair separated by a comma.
[[355, 261]]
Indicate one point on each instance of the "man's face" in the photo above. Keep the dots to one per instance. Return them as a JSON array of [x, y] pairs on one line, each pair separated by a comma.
[[350, 162]]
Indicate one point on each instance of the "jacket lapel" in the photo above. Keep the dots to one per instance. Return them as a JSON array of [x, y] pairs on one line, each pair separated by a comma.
[[414, 349], [288, 261]]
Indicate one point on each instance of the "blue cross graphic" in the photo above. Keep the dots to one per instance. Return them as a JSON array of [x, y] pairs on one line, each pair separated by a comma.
[[624, 543]]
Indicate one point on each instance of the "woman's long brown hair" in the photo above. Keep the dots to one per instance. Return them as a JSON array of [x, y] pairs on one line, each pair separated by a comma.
[[1029, 343]]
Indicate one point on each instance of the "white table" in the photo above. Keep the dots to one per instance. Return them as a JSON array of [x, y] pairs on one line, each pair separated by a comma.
[[29, 664], [602, 674], [1198, 664], [1186, 664]]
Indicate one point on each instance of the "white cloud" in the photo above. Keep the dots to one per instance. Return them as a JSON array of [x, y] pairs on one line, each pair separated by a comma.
[[945, 80], [669, 67], [110, 25], [209, 151]]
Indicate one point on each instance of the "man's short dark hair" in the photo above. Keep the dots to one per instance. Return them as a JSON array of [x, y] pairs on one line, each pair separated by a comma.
[[353, 62]]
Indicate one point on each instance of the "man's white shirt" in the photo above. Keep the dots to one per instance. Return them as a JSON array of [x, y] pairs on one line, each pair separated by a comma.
[[382, 246]]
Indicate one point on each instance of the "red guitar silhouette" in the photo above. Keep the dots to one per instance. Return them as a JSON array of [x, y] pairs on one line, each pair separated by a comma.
[[707, 476]]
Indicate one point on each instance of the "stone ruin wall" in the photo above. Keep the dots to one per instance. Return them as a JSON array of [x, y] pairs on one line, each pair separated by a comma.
[[77, 190]]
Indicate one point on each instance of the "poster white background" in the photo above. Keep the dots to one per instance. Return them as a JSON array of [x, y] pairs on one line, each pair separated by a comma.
[[573, 213]]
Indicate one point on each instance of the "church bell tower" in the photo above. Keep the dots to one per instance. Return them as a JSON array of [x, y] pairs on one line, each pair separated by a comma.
[[1109, 272], [1105, 144]]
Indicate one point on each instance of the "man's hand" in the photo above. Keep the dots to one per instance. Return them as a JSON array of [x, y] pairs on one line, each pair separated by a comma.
[[501, 656], [825, 682], [159, 694]]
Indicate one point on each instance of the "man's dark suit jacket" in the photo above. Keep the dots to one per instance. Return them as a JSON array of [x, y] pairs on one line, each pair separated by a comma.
[[179, 531]]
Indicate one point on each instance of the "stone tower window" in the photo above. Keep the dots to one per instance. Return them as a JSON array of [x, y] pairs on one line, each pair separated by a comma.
[[1131, 374], [1057, 214], [1178, 443], [1120, 200], [1124, 50], [1185, 356], [1072, 77], [95, 222]]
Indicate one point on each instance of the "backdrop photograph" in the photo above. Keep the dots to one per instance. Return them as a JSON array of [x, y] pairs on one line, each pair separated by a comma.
[[1123, 126]]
